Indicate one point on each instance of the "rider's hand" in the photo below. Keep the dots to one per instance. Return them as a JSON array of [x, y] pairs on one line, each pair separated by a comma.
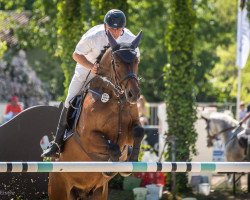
[[94, 68]]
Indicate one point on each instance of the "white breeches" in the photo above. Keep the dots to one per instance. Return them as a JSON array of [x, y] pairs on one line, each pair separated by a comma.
[[76, 84]]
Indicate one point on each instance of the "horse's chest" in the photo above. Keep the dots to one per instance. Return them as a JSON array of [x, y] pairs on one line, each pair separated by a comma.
[[109, 113], [115, 116]]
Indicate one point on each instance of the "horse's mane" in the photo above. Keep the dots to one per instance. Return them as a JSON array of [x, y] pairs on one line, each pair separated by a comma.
[[98, 59], [224, 117]]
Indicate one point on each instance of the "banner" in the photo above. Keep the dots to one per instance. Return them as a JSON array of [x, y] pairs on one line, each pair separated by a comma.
[[243, 35]]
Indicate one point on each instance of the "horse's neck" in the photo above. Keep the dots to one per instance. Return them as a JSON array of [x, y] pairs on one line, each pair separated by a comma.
[[105, 70], [106, 64], [227, 135]]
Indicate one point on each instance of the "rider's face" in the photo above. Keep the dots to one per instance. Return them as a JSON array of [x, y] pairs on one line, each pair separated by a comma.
[[115, 32]]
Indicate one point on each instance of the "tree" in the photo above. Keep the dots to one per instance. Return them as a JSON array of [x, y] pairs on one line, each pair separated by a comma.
[[149, 16], [100, 7], [179, 81], [34, 27], [213, 28], [70, 26], [17, 78]]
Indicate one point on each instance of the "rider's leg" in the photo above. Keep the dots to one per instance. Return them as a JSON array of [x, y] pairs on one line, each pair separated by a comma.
[[74, 88], [57, 145]]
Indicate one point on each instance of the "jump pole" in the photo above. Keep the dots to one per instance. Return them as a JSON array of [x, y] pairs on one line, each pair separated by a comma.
[[124, 167]]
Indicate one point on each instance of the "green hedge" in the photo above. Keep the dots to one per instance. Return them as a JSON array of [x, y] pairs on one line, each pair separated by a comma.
[[179, 81]]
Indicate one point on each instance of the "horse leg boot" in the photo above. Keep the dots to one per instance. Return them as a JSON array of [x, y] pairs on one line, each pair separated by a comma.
[[138, 134], [57, 146]]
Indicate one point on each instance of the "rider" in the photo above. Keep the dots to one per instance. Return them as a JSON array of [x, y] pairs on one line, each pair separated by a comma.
[[85, 54]]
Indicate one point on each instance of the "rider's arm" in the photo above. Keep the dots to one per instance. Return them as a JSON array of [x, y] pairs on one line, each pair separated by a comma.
[[83, 48], [82, 60]]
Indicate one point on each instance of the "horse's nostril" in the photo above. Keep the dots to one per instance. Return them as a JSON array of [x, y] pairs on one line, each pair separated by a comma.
[[130, 94]]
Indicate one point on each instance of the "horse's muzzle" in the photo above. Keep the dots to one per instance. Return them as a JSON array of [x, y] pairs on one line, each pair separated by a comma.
[[132, 95]]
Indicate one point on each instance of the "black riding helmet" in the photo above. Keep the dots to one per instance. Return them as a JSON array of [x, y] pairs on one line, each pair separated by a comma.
[[115, 19]]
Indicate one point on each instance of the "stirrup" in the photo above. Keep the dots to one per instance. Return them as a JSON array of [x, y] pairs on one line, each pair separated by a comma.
[[58, 147]]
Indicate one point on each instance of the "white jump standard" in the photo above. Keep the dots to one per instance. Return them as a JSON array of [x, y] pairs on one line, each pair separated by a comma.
[[124, 167]]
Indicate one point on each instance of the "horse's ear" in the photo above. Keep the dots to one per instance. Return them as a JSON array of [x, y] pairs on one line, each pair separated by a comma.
[[136, 41], [112, 41]]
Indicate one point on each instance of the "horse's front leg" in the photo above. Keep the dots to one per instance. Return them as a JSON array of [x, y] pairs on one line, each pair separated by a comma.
[[137, 134], [102, 145], [133, 153]]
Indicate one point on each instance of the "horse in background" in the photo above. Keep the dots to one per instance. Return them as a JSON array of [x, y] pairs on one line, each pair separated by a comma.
[[225, 126], [108, 125]]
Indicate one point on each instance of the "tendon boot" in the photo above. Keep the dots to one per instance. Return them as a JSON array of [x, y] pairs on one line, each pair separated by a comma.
[[57, 145]]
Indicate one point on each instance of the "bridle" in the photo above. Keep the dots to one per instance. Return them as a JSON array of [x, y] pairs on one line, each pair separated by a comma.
[[130, 75], [215, 136], [113, 80], [118, 84]]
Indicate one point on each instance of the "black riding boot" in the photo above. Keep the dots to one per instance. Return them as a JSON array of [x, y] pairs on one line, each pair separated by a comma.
[[57, 146]]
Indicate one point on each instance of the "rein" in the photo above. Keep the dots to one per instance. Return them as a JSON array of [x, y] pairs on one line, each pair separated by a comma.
[[226, 129], [222, 131]]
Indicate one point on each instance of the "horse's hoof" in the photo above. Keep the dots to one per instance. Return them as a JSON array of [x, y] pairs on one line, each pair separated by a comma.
[[125, 174], [109, 174]]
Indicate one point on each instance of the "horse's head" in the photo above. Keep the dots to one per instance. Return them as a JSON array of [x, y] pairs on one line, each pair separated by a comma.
[[211, 133], [125, 67], [216, 124]]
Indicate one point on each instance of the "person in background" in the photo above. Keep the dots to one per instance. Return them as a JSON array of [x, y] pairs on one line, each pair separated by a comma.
[[248, 120], [12, 109], [141, 104], [243, 111]]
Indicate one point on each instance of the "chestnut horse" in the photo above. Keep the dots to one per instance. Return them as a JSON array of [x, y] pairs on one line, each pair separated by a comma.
[[108, 125]]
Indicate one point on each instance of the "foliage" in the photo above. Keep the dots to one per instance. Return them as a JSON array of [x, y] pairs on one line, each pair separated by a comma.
[[70, 27], [149, 16], [100, 7], [17, 78], [35, 31], [179, 81], [226, 83], [4, 26], [3, 48], [223, 76], [213, 28], [42, 45]]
